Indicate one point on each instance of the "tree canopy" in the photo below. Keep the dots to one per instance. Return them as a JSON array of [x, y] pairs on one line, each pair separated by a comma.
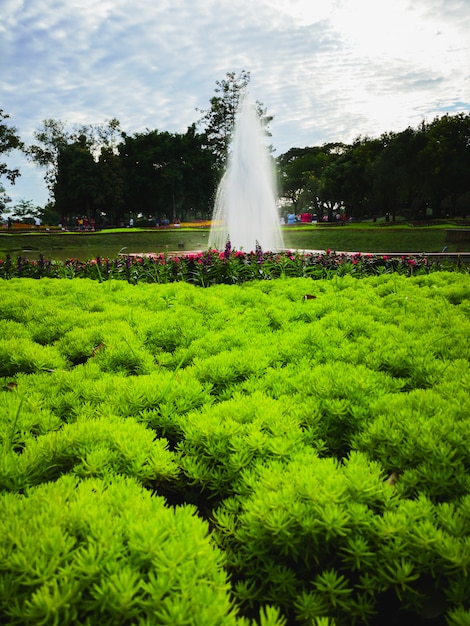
[[417, 172], [9, 140], [219, 120], [105, 174], [100, 171]]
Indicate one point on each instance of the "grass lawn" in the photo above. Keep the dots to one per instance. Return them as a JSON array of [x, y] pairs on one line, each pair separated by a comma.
[[371, 238], [352, 238]]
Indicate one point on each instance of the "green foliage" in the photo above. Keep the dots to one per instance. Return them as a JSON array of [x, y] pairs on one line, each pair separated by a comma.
[[101, 171], [399, 173], [163, 172], [9, 140], [218, 122], [426, 441], [323, 439], [24, 355], [105, 551], [91, 447], [337, 537], [221, 441]]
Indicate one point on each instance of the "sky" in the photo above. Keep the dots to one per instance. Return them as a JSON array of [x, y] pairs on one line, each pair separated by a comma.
[[327, 70]]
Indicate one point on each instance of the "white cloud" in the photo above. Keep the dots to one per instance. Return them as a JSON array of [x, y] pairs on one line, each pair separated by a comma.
[[327, 70]]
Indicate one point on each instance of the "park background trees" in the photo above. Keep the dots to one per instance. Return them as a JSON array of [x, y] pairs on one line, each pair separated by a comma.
[[9, 140], [218, 121], [101, 172], [417, 173]]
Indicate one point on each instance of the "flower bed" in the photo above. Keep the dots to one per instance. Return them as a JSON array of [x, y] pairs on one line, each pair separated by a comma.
[[229, 266]]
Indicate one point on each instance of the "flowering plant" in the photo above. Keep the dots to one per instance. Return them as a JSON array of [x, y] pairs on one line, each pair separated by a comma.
[[231, 266]]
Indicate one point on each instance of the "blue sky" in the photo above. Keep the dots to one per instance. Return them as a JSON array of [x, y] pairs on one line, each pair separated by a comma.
[[327, 70]]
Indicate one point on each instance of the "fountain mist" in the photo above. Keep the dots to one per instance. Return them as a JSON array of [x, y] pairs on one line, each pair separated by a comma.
[[245, 209]]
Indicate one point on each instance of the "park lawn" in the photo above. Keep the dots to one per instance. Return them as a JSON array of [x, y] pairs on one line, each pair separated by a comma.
[[352, 238]]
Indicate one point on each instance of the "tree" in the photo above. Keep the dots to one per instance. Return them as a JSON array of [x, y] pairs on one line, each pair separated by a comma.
[[77, 181], [347, 180], [300, 172], [447, 157], [54, 136], [4, 199], [199, 176], [167, 175], [293, 168], [25, 211], [218, 122], [110, 197], [397, 174], [9, 140]]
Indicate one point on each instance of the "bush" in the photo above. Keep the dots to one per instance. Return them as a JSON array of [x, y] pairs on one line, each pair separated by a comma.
[[317, 429], [106, 552]]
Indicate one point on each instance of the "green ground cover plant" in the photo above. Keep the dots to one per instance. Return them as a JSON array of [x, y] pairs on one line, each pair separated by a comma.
[[274, 452]]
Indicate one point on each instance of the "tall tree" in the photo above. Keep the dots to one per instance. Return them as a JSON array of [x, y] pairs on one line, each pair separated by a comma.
[[9, 140], [347, 180], [397, 175], [199, 176], [77, 181], [300, 172], [167, 175], [447, 156], [219, 120], [54, 136], [110, 197]]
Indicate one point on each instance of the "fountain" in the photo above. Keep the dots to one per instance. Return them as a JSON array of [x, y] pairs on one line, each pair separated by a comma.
[[245, 211]]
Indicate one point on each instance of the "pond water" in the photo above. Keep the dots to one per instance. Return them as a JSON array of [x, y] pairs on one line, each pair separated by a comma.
[[110, 252]]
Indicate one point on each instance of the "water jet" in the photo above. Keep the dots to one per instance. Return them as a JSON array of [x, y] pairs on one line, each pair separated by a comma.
[[245, 211]]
